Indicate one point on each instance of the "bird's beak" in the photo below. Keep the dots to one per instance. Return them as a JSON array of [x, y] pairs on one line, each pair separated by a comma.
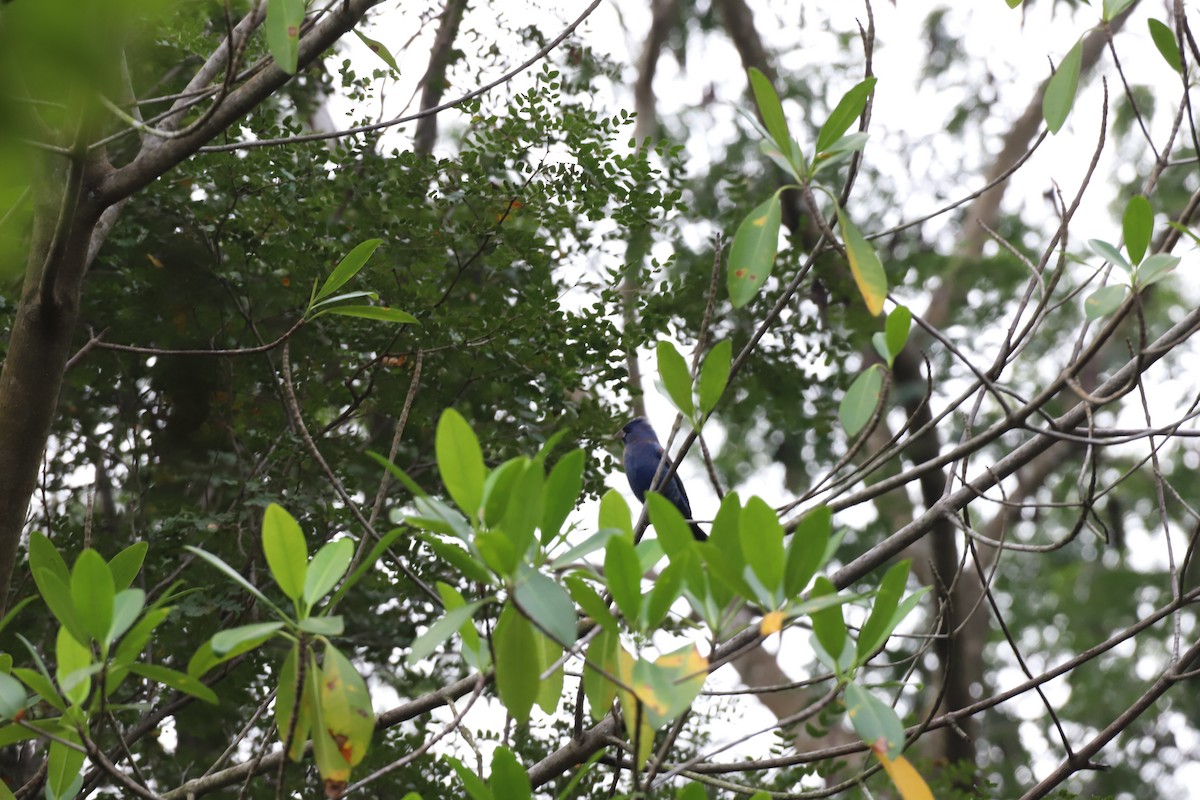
[[619, 435]]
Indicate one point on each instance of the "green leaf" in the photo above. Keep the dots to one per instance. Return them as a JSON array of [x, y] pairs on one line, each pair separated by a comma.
[[380, 313], [474, 653], [669, 525], [460, 559], [623, 574], [806, 550], [517, 662], [283, 32], [176, 680], [673, 370], [285, 705], [875, 632], [524, 511], [864, 264], [127, 605], [827, 623], [1060, 91], [1164, 40], [92, 593], [286, 551], [366, 564], [378, 49], [476, 788], [1154, 269], [548, 605], [1137, 225], [259, 632], [762, 544], [508, 778], [590, 601], [135, 641], [874, 720], [44, 555], [752, 254], [236, 577], [1114, 7], [73, 660], [550, 687], [40, 685], [861, 400], [769, 108], [589, 545], [441, 630], [57, 595], [614, 513], [600, 691], [1104, 301], [126, 564], [561, 492], [326, 569], [714, 374], [896, 329], [434, 515], [460, 462], [848, 109], [666, 591], [12, 696], [498, 489], [63, 775], [1109, 253]]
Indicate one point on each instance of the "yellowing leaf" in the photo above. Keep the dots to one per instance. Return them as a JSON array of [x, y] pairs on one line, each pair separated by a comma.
[[771, 623], [907, 780], [864, 264]]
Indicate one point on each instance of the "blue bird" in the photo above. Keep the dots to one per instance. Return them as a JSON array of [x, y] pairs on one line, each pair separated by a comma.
[[642, 456]]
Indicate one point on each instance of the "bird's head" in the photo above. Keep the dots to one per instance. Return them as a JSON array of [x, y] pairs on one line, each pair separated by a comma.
[[636, 430]]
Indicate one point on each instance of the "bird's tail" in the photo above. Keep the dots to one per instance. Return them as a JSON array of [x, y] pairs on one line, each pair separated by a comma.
[[698, 532]]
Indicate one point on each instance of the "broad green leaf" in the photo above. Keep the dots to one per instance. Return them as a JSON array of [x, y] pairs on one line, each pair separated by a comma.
[[875, 631], [283, 32], [1164, 40], [44, 555], [1114, 7], [861, 400], [669, 525], [346, 711], [286, 551], [588, 546], [666, 591], [1109, 253], [434, 515], [12, 696], [460, 462], [676, 378], [550, 687], [259, 632], [752, 254], [827, 623], [1154, 269], [379, 313], [1137, 225], [460, 559], [57, 595], [508, 779], [864, 264], [237, 578], [475, 654], [517, 662], [441, 630], [590, 601], [771, 150], [40, 685], [623, 573], [714, 375], [63, 769], [176, 680], [1060, 91], [524, 511], [769, 108], [806, 550], [134, 642], [614, 513], [669, 686], [127, 606], [476, 788], [378, 49], [597, 686], [1013, 3], [126, 564], [548, 605], [874, 721], [1105, 301], [896, 329], [850, 143], [285, 705], [561, 492], [367, 563], [848, 109], [498, 489], [92, 593], [762, 544], [326, 569]]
